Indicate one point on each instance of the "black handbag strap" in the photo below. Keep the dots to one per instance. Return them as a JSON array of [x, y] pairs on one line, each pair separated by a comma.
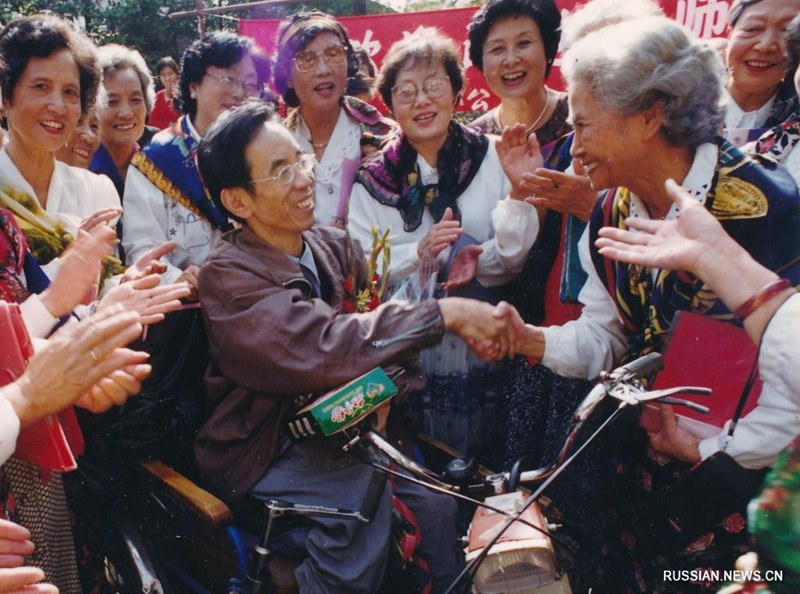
[[748, 387]]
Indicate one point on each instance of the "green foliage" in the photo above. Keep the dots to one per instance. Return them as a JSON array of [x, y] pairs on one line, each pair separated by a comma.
[[334, 7], [142, 24]]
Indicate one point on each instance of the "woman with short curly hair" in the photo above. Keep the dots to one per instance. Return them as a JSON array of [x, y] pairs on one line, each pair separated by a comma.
[[165, 199], [314, 63]]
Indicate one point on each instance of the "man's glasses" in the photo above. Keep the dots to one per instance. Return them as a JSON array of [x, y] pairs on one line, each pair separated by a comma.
[[287, 173], [406, 92], [231, 83], [307, 60]]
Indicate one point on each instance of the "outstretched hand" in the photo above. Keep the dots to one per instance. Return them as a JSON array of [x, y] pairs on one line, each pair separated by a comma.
[[519, 154], [677, 244]]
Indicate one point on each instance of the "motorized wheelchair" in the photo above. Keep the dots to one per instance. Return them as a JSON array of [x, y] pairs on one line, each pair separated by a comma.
[[174, 536]]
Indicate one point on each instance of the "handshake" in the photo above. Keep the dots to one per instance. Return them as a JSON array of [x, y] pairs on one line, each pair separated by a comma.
[[493, 332]]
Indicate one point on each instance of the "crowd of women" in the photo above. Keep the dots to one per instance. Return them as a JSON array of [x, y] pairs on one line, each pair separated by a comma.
[[107, 220]]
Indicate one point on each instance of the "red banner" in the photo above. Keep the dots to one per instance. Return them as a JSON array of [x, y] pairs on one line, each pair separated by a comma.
[[706, 18]]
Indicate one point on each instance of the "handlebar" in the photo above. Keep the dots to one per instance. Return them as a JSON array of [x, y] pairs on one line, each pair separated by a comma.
[[624, 384]]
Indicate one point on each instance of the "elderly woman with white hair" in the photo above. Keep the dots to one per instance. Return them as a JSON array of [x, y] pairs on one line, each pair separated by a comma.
[[644, 99]]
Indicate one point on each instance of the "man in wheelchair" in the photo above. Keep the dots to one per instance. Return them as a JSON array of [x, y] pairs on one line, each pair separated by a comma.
[[273, 295]]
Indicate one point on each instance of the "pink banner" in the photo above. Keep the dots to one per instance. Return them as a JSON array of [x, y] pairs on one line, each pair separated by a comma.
[[706, 18]]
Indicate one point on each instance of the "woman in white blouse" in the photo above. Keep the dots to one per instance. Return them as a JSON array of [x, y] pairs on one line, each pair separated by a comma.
[[758, 94], [314, 62], [44, 96], [445, 188], [165, 199]]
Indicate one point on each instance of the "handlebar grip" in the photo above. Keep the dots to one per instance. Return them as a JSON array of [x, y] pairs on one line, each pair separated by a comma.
[[643, 366]]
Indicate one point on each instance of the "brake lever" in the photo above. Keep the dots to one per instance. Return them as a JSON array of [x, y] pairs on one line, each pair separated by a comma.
[[659, 394], [704, 410]]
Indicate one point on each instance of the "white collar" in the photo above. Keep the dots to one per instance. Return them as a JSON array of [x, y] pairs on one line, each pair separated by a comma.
[[192, 131], [736, 117], [697, 182]]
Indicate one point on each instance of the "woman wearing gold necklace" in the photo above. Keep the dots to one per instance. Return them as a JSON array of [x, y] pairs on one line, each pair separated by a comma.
[[514, 43], [315, 60]]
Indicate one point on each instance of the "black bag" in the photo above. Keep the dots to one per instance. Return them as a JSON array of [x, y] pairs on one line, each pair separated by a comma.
[[164, 417], [706, 494]]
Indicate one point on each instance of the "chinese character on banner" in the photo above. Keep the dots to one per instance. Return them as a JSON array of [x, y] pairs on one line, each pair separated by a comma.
[[377, 33], [705, 18]]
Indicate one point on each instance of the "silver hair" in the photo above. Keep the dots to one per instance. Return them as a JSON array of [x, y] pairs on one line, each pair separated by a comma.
[[631, 66], [113, 58], [597, 14]]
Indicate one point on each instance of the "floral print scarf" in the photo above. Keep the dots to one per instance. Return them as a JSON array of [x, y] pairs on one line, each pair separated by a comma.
[[393, 177], [779, 141], [12, 259]]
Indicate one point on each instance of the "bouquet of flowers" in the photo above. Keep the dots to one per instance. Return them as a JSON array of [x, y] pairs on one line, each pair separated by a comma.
[[369, 297]]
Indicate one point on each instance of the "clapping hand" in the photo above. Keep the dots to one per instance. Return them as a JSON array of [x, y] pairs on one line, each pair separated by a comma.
[[79, 268], [464, 267], [146, 297], [102, 216], [519, 154], [191, 278], [80, 362], [566, 193], [440, 236], [149, 262]]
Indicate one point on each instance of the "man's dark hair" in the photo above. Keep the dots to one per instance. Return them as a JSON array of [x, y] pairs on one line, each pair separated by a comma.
[[40, 36], [544, 12], [221, 153], [220, 49]]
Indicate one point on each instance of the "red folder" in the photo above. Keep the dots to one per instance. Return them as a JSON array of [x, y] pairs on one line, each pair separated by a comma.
[[54, 441], [702, 351]]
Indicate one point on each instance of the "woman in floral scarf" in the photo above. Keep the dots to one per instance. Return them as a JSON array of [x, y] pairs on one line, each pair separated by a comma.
[[445, 189]]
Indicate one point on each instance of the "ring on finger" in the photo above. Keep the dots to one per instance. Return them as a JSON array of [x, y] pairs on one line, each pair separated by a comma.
[[94, 356]]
